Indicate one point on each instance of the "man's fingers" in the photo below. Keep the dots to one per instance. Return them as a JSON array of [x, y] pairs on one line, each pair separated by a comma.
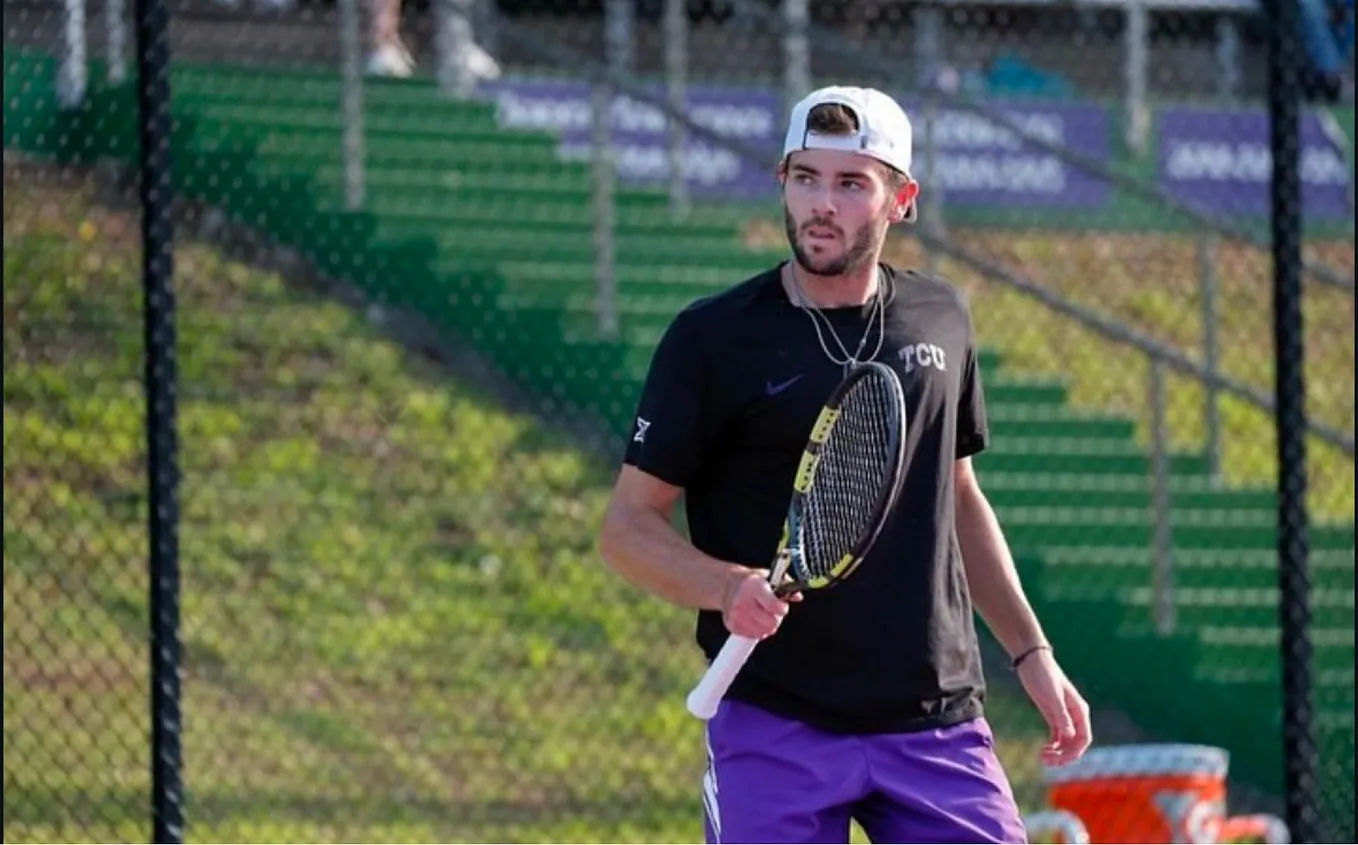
[[768, 601], [757, 610], [1059, 722], [1071, 734], [1084, 732]]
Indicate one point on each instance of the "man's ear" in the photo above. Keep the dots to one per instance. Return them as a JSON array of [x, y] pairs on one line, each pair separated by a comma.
[[906, 194]]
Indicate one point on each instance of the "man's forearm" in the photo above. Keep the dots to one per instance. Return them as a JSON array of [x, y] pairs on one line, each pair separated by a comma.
[[992, 577], [644, 548]]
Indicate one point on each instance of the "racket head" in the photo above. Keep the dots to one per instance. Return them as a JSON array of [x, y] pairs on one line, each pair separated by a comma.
[[856, 451]]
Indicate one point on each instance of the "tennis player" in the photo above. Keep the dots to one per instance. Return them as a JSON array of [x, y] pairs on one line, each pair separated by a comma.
[[863, 701]]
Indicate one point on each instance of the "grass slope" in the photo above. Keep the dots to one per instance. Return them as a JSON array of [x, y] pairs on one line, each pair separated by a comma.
[[395, 624], [1150, 283]]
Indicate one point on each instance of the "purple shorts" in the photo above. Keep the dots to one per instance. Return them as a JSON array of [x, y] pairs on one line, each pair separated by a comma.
[[771, 779]]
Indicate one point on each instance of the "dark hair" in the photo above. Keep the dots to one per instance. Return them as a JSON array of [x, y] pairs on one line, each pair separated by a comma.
[[832, 119], [837, 119]]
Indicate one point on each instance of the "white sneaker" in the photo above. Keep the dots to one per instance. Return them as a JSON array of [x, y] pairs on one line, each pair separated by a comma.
[[391, 60], [481, 63]]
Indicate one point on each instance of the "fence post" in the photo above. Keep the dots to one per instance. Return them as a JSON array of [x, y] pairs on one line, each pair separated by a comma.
[[618, 44], [157, 205], [1161, 503], [1137, 48], [1298, 747], [72, 75], [1212, 396], [929, 32], [115, 22], [603, 179], [1228, 56], [620, 35], [676, 73], [796, 54], [351, 49]]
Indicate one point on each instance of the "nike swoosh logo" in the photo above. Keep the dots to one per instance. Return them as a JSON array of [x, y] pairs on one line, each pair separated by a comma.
[[774, 389]]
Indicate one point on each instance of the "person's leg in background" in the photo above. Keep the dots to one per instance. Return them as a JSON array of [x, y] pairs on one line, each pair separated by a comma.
[[1327, 43], [387, 53], [389, 56]]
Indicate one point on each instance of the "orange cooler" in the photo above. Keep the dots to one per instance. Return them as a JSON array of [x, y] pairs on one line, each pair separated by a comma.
[[1145, 793]]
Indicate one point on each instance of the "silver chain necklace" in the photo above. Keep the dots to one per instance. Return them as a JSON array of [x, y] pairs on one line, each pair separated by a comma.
[[812, 311]]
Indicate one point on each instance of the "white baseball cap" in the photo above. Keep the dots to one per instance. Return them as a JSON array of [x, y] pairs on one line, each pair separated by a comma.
[[884, 131]]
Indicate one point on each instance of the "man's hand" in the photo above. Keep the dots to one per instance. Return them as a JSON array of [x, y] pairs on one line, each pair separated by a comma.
[[1063, 708], [750, 608]]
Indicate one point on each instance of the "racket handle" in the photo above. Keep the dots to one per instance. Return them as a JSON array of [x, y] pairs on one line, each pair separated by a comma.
[[706, 696]]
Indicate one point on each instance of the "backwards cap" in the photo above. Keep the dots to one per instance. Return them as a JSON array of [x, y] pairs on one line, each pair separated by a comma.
[[884, 131]]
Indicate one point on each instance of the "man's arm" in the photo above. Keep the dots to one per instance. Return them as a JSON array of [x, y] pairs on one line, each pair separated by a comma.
[[997, 594], [992, 577], [639, 542]]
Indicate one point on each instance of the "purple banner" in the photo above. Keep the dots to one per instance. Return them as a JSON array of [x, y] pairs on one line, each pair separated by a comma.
[[1220, 161], [638, 132], [982, 163], [978, 164]]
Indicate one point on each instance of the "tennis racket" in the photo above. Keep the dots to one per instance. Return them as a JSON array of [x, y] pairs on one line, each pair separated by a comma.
[[846, 484]]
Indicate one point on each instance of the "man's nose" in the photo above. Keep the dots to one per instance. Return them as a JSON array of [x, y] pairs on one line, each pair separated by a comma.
[[823, 202]]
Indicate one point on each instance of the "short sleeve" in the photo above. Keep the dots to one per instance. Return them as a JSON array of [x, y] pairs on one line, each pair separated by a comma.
[[973, 432], [669, 431]]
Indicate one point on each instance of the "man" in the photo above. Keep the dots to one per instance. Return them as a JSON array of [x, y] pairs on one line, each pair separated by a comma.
[[863, 701]]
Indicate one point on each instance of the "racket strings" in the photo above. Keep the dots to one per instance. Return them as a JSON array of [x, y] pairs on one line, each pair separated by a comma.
[[856, 464]]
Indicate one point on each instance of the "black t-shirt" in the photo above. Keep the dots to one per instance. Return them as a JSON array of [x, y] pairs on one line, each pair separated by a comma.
[[733, 390]]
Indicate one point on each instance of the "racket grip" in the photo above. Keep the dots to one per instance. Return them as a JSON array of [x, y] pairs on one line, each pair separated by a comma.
[[706, 696]]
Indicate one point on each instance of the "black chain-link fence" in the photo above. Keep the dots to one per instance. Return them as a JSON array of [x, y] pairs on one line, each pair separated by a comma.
[[412, 311]]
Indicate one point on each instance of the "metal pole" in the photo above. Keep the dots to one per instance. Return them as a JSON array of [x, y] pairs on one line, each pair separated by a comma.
[[1228, 56], [1161, 503], [72, 75], [1299, 751], [1207, 293], [618, 45], [115, 21], [929, 46], [157, 202], [604, 212], [1138, 37], [351, 49], [676, 73], [929, 58], [796, 54], [620, 35]]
